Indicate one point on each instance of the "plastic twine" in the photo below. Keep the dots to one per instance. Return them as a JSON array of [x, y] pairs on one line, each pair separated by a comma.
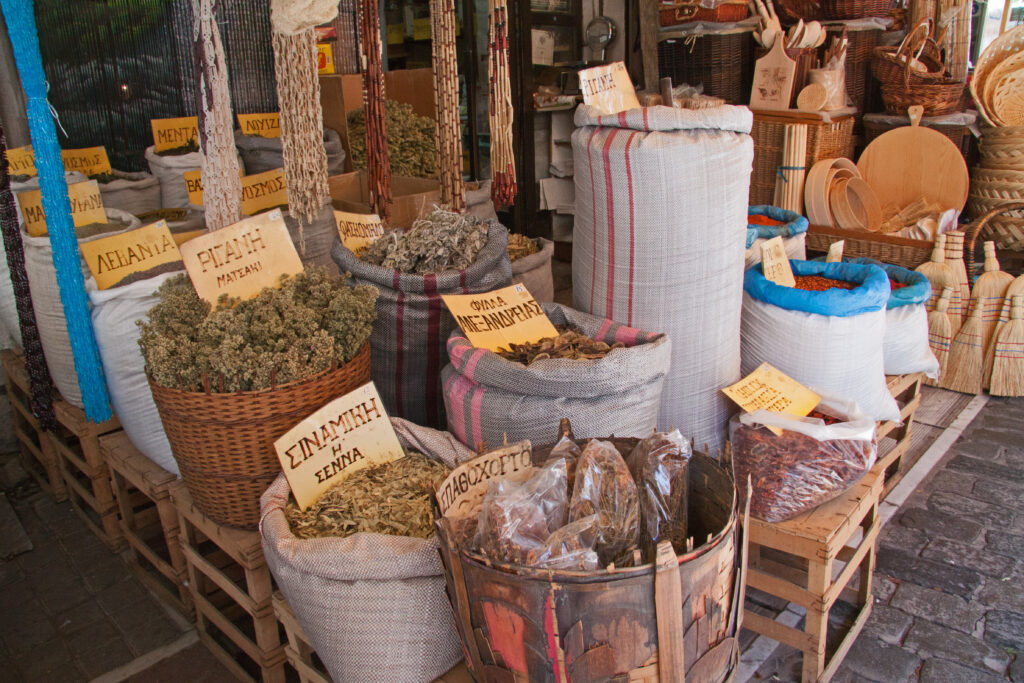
[[21, 27], [779, 171]]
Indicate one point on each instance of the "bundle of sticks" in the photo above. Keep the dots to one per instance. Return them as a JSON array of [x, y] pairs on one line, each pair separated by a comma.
[[503, 163], [446, 104], [378, 166]]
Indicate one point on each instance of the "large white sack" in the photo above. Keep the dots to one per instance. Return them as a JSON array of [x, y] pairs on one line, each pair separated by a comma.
[[135, 193], [170, 170]]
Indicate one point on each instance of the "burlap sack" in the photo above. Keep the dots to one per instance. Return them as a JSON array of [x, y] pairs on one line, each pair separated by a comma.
[[261, 154], [373, 606], [659, 239], [53, 329], [534, 271], [488, 397], [408, 340], [170, 171], [318, 236], [132, 192]]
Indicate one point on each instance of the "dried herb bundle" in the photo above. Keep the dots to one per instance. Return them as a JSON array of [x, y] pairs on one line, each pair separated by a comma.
[[521, 246], [313, 321], [391, 498], [442, 241], [571, 343], [412, 140], [187, 148], [104, 177]]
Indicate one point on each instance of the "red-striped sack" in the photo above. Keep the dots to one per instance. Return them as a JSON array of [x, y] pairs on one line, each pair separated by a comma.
[[407, 346], [489, 397], [659, 240]]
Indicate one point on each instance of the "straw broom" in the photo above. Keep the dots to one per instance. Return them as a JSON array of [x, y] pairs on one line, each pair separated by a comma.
[[940, 275], [966, 366], [940, 332], [989, 293], [958, 308], [1008, 366]]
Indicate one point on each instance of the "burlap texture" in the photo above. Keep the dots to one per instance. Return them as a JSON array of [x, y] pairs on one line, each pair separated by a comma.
[[534, 271], [315, 239], [132, 192], [261, 154]]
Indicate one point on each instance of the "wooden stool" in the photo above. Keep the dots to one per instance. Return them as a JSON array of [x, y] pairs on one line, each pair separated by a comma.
[[149, 520], [232, 591], [37, 455], [906, 389], [798, 567]]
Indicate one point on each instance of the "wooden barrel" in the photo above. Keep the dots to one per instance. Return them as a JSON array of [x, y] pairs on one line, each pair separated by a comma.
[[649, 623]]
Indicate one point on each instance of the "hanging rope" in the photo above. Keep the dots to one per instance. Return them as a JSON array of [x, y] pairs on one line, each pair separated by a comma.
[[21, 27], [222, 188], [503, 161], [446, 104], [378, 166], [38, 374]]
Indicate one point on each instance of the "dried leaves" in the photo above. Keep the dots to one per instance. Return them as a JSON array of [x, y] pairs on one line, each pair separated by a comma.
[[412, 145], [521, 246], [391, 498], [571, 343], [442, 241], [191, 146], [283, 335]]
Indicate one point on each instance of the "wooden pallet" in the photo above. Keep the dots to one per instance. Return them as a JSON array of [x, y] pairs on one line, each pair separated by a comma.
[[86, 476], [231, 588], [148, 520], [794, 560], [37, 455], [894, 438]]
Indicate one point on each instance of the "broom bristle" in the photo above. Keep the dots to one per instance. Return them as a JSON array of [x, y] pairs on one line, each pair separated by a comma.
[[958, 307], [990, 353], [989, 292], [940, 334], [1016, 287], [1008, 360], [965, 368]]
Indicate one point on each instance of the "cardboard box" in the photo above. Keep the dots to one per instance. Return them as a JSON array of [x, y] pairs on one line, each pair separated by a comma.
[[342, 93], [412, 197]]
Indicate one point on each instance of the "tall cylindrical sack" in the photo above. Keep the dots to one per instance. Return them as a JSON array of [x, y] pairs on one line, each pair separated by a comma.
[[261, 154], [659, 240], [70, 177], [488, 397], [792, 230], [373, 605], [831, 340], [132, 192], [413, 324], [316, 238], [53, 328], [170, 170], [534, 271], [115, 314]]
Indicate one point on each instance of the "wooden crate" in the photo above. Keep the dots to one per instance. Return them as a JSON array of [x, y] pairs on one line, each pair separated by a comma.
[[148, 520], [86, 476], [794, 560], [303, 659], [906, 389], [232, 589]]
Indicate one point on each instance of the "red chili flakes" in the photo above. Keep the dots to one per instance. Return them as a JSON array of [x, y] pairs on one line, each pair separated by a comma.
[[896, 285], [828, 419], [817, 283], [758, 219]]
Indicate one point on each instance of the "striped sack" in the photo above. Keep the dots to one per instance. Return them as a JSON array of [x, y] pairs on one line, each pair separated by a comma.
[[489, 397], [659, 240], [407, 348]]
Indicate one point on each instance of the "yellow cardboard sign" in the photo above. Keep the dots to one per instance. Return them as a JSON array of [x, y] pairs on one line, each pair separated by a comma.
[[86, 207], [262, 191], [324, 59], [775, 262], [769, 389], [608, 88], [263, 125], [241, 259], [113, 258], [463, 491], [396, 34], [171, 133], [358, 230], [181, 237], [88, 160], [21, 161], [493, 320], [835, 252], [194, 186], [346, 435]]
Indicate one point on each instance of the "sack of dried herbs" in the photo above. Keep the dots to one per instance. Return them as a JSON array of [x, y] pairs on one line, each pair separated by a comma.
[[488, 396], [25, 183], [132, 192], [408, 340], [412, 140], [169, 168], [261, 154], [42, 281], [373, 605], [533, 267], [314, 239]]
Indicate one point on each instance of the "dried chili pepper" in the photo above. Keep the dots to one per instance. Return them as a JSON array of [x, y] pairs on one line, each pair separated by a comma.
[[817, 283], [758, 219]]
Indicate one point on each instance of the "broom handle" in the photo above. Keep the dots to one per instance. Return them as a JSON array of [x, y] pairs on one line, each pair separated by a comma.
[[976, 228]]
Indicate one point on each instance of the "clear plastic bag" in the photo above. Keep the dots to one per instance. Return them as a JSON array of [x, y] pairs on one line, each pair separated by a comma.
[[605, 487], [520, 512], [571, 547], [566, 449], [815, 459], [659, 468]]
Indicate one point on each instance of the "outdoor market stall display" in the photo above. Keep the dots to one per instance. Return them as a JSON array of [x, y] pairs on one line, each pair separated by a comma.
[[681, 273]]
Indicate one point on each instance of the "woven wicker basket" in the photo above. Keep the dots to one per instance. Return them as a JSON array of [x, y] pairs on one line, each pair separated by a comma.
[[224, 443], [854, 9], [723, 63], [690, 11], [899, 251], [941, 97], [890, 65], [1003, 223]]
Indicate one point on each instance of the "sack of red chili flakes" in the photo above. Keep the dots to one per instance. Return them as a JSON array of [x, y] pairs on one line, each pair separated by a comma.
[[815, 459]]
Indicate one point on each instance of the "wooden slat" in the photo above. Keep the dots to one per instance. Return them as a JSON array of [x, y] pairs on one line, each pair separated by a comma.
[[221, 579], [847, 642], [233, 633], [226, 659], [781, 588], [787, 635], [867, 545]]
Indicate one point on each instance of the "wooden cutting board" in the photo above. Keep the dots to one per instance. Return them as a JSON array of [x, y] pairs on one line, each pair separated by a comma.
[[911, 163], [773, 79]]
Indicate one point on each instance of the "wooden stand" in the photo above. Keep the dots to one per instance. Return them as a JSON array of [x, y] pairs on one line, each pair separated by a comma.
[[37, 455], [77, 446], [794, 560], [232, 590], [906, 389], [149, 520]]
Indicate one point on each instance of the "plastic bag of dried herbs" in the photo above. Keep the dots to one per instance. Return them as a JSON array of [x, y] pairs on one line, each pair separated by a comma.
[[815, 459], [659, 465], [605, 487]]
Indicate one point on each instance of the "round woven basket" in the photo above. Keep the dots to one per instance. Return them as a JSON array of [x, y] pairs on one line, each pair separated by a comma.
[[854, 9], [224, 442]]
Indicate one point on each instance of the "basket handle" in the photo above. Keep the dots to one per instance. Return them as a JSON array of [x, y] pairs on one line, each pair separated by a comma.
[[977, 227], [925, 22]]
